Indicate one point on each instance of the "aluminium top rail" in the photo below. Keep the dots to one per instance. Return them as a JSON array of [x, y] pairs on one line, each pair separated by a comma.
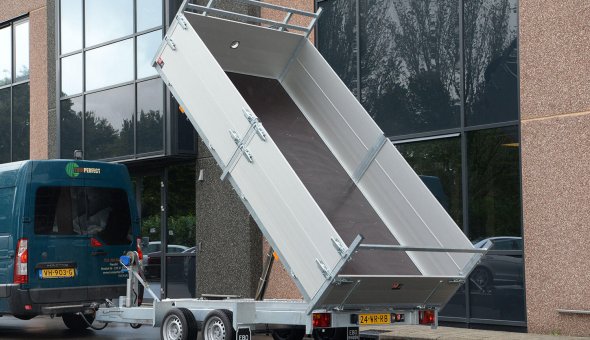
[[306, 30]]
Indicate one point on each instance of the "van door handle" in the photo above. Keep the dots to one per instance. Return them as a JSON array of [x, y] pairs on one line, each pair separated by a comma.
[[98, 253]]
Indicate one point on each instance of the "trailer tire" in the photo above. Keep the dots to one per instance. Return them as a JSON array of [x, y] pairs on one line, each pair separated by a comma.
[[179, 324], [293, 333], [218, 325], [338, 333], [75, 322]]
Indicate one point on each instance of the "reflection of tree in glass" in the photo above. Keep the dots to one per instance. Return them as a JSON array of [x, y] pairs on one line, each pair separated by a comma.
[[102, 139], [336, 39], [15, 122], [149, 129], [23, 73], [490, 60], [181, 204], [20, 122], [494, 185], [410, 49], [440, 158], [70, 126], [5, 125]]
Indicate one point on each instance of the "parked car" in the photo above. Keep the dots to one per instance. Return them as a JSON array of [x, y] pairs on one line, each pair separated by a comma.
[[501, 266], [152, 260]]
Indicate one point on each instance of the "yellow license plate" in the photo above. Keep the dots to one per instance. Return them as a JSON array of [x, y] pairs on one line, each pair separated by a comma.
[[57, 273], [374, 319]]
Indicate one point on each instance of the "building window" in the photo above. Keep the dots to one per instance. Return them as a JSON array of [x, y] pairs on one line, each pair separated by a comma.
[[441, 80], [111, 98], [14, 91], [438, 163]]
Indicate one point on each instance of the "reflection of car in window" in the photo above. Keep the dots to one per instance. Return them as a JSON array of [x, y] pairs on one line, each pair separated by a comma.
[[501, 266], [154, 259]]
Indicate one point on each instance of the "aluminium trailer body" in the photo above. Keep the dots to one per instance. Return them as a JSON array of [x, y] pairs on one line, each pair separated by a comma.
[[352, 223]]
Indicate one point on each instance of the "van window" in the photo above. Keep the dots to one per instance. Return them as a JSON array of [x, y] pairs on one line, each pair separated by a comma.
[[6, 202], [98, 212]]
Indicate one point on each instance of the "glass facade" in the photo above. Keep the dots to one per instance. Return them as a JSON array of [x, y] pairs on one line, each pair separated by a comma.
[[112, 103], [114, 106], [408, 56], [441, 80], [14, 91]]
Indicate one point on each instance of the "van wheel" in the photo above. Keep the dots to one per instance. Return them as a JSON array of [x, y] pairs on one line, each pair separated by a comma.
[[218, 325], [294, 333], [329, 333], [179, 324], [76, 322]]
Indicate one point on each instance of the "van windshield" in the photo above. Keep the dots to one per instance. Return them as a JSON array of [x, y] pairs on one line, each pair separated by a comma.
[[98, 212]]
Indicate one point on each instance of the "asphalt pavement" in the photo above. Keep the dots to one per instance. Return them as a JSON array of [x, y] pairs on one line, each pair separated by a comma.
[[43, 327], [453, 333]]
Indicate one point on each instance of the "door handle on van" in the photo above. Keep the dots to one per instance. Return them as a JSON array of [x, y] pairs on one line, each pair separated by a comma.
[[98, 253]]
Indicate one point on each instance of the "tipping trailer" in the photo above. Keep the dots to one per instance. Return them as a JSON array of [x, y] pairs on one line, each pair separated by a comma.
[[361, 235]]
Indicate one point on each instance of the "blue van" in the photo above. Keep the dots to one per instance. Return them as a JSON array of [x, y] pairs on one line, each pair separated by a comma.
[[63, 226]]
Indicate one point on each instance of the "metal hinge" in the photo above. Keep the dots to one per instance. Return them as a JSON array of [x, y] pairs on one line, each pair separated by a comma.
[[340, 248], [255, 122], [238, 140], [324, 269], [171, 43], [181, 21]]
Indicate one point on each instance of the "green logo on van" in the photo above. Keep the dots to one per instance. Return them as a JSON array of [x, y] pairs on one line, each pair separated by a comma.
[[71, 170], [74, 170]]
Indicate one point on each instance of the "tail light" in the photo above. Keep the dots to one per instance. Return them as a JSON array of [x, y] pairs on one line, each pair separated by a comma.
[[322, 320], [94, 243], [139, 250], [21, 274], [427, 317]]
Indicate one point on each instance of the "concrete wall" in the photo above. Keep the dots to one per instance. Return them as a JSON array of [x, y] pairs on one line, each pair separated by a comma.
[[555, 114], [229, 242], [42, 70]]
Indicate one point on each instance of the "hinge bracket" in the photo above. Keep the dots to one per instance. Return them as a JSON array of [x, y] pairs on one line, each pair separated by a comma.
[[181, 21], [255, 122], [171, 43], [324, 269], [340, 248]]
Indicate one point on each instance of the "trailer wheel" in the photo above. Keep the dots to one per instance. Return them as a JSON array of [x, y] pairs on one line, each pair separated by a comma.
[[218, 325], [179, 324], [293, 333], [75, 322], [338, 333]]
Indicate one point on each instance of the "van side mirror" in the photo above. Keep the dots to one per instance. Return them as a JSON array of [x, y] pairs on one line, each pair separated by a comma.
[[145, 241]]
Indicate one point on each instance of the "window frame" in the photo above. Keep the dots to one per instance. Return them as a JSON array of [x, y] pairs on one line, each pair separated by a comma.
[[135, 81], [12, 23]]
